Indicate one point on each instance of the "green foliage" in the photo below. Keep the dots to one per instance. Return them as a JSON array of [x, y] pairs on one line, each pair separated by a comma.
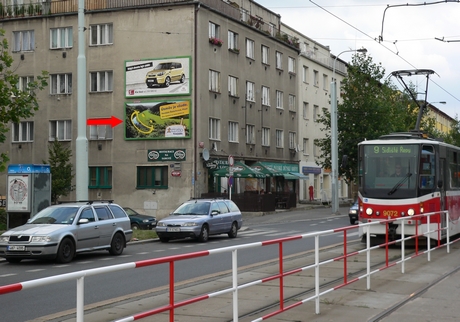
[[2, 219], [15, 104], [61, 170]]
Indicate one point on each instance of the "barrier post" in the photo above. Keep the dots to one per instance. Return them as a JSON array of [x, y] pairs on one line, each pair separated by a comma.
[[80, 299], [235, 284], [317, 273], [403, 248]]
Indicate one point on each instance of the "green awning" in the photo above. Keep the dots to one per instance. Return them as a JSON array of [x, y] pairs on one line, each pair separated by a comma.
[[299, 175]]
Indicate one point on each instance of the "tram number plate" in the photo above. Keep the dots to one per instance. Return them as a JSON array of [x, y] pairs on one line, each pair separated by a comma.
[[16, 247], [173, 230]]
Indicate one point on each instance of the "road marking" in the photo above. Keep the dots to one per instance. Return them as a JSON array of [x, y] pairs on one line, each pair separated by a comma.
[[35, 270], [143, 253], [7, 275]]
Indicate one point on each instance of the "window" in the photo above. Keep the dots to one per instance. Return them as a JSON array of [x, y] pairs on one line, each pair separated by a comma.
[[271, 28], [250, 91], [250, 134], [101, 81], [214, 129], [265, 136], [292, 106], [316, 150], [305, 147], [61, 37], [292, 140], [244, 14], [101, 34], [232, 131], [265, 57], [265, 96], [233, 41], [305, 74], [279, 138], [250, 48], [213, 30], [214, 81], [315, 78], [232, 86], [279, 60], [325, 82], [305, 110], [291, 65], [24, 81], [279, 99], [60, 130], [100, 177], [61, 84], [23, 132], [100, 132], [315, 112], [152, 177], [23, 40]]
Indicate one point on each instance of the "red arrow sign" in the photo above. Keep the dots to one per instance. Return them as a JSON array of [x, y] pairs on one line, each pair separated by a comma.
[[112, 121]]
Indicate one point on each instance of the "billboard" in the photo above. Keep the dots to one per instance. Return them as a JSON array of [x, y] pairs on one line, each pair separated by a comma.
[[168, 76]]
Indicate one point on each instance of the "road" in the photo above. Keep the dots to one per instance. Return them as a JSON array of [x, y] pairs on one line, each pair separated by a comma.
[[59, 297]]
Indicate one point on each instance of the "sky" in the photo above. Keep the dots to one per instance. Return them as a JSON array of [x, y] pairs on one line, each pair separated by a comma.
[[405, 36]]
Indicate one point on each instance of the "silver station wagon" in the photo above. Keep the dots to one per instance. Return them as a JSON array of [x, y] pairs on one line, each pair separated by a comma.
[[200, 218], [61, 231]]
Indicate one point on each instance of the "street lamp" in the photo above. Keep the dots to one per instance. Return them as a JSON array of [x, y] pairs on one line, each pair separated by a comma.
[[334, 149]]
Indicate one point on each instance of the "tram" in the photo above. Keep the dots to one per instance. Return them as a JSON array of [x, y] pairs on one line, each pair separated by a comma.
[[406, 174]]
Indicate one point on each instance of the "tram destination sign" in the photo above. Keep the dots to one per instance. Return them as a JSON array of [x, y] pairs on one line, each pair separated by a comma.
[[394, 149], [166, 155]]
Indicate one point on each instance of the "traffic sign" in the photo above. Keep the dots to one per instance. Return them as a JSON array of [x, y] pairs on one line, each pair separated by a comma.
[[231, 160]]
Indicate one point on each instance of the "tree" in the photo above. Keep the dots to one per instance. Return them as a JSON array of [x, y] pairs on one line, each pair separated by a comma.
[[61, 170], [15, 103]]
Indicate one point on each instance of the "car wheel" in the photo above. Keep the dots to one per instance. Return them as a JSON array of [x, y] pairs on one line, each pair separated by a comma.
[[352, 222], [66, 251], [135, 227], [233, 231], [13, 260], [164, 239], [182, 79], [167, 82], [117, 244], [149, 85], [204, 234]]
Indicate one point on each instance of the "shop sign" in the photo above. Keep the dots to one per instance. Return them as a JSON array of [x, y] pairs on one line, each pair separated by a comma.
[[166, 155], [176, 173], [216, 164]]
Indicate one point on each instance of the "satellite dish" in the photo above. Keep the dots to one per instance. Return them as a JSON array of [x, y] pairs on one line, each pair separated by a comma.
[[205, 154]]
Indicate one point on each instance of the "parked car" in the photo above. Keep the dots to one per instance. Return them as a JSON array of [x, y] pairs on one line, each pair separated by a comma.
[[201, 218], [61, 231], [139, 221], [165, 73], [353, 213]]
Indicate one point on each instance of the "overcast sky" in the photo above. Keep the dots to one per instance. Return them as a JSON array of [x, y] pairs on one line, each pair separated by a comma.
[[409, 38]]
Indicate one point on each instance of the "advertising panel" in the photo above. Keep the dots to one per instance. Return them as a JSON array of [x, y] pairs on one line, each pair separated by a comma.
[[18, 193]]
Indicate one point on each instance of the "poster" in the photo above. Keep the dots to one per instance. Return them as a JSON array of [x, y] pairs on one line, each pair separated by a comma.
[[18, 193], [157, 77]]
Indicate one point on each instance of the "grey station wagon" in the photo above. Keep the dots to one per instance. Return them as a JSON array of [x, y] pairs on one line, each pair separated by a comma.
[[61, 231]]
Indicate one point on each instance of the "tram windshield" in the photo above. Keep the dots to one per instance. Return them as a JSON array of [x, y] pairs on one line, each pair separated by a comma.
[[388, 171]]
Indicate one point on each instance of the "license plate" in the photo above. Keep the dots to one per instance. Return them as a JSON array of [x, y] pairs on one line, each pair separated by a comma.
[[16, 247], [172, 230]]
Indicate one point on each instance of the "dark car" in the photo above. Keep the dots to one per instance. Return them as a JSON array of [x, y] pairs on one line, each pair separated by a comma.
[[201, 218], [353, 213], [139, 221]]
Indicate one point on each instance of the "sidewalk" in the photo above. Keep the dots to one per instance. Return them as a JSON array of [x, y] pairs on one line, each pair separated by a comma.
[[351, 303]]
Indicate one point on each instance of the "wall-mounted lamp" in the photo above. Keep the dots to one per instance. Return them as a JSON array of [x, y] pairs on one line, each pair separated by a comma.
[[215, 96], [64, 54], [19, 146], [99, 146], [153, 191], [22, 56]]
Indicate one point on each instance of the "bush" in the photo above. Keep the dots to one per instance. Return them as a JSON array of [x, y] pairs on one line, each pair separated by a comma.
[[2, 219]]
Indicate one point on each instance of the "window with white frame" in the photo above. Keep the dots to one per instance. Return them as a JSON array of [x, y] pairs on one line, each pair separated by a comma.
[[213, 30], [279, 99], [325, 82], [316, 150], [291, 65], [60, 130], [279, 60], [292, 106], [61, 37], [250, 134], [305, 110], [23, 40], [250, 48], [305, 74], [305, 147], [100, 132], [315, 78], [101, 81], [265, 136], [214, 128], [214, 81], [265, 57], [233, 86], [60, 84], [292, 140], [101, 34], [315, 112], [250, 92], [279, 138], [265, 96], [23, 132], [232, 40], [232, 131], [244, 14], [271, 28], [23, 82]]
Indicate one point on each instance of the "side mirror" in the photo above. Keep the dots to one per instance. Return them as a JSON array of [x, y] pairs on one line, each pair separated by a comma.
[[83, 221]]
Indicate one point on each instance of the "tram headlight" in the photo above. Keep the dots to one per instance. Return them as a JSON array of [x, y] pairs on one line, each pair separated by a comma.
[[369, 211], [411, 212]]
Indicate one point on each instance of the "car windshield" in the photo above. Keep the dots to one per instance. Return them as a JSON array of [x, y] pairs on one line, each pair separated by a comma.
[[163, 66], [55, 215], [193, 208]]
